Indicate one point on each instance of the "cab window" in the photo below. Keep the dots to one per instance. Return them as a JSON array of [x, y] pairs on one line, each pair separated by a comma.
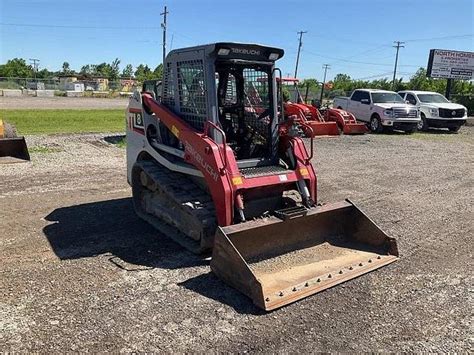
[[356, 96], [365, 96], [411, 99]]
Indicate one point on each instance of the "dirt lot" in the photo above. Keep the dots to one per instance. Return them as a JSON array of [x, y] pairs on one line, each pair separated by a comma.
[[79, 271]]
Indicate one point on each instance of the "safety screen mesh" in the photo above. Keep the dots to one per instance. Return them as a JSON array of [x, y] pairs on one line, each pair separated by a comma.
[[257, 100], [192, 89], [168, 89], [231, 91]]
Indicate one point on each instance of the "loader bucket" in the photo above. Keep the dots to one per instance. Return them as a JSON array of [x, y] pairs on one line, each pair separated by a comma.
[[355, 128], [13, 150], [323, 128], [276, 262]]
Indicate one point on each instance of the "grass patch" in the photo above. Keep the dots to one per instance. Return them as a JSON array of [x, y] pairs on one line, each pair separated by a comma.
[[121, 143], [65, 121], [118, 141]]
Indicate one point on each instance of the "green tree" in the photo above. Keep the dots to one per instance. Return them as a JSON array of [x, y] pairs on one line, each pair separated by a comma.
[[88, 70], [343, 82], [158, 72], [114, 69], [127, 71], [16, 68], [103, 69], [66, 69], [44, 74], [143, 72]]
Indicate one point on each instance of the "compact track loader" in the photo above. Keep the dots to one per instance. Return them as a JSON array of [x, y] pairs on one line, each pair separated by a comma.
[[210, 168], [13, 149]]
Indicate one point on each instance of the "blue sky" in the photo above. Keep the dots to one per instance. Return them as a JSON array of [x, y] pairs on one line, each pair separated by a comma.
[[354, 37]]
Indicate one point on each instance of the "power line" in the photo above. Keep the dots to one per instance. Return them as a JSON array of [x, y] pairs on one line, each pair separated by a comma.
[[374, 76], [299, 49], [439, 38], [356, 61], [397, 46], [80, 27]]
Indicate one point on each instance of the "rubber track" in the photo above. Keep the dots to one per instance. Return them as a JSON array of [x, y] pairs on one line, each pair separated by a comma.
[[192, 201]]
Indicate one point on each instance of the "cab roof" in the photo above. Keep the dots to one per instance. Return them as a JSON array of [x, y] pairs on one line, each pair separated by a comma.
[[234, 50]]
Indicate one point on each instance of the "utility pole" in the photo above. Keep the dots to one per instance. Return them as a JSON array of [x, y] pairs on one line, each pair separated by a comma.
[[397, 46], [163, 26], [299, 49], [35, 63], [325, 67], [449, 85]]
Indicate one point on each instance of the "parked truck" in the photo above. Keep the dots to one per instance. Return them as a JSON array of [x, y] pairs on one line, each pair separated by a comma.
[[435, 110], [380, 109]]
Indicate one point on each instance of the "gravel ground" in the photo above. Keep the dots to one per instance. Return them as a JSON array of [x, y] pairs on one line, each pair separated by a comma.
[[58, 102], [80, 272]]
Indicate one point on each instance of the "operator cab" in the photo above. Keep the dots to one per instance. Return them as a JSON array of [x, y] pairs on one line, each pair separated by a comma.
[[233, 85]]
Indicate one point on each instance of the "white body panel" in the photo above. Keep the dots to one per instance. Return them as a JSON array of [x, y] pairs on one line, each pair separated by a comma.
[[137, 121], [431, 109], [365, 111]]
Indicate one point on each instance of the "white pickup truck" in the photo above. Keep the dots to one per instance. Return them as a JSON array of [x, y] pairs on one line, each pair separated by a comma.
[[380, 109], [436, 110]]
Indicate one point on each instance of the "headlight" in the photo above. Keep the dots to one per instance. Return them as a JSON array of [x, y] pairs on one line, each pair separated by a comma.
[[273, 56], [434, 112], [388, 113], [465, 112]]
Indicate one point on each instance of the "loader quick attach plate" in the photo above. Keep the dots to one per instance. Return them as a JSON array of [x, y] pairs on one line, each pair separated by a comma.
[[276, 262]]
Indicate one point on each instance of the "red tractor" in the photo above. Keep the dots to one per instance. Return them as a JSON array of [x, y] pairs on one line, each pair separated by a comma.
[[328, 122]]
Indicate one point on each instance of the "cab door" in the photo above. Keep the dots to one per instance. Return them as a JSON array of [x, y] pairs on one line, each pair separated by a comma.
[[353, 105], [365, 104]]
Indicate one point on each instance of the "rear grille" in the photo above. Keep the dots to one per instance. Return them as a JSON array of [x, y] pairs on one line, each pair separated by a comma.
[[263, 171], [449, 113], [405, 113]]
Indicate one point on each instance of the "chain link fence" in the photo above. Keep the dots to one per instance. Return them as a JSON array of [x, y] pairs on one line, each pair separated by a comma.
[[125, 85]]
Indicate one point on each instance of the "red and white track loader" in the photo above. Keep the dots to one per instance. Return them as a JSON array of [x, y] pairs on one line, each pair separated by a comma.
[[209, 168]]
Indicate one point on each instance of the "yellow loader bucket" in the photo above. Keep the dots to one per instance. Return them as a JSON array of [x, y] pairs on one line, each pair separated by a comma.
[[276, 262]]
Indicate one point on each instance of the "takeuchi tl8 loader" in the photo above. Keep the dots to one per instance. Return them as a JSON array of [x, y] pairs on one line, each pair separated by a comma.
[[210, 168]]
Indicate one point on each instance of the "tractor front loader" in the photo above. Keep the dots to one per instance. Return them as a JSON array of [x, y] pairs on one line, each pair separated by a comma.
[[306, 116], [346, 121], [13, 149], [329, 121], [210, 167]]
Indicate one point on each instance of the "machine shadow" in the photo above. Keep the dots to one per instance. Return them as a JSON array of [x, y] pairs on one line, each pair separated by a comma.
[[114, 139], [111, 227], [208, 285]]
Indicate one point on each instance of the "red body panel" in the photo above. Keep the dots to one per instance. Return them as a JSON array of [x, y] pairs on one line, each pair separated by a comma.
[[218, 164], [309, 116], [346, 121]]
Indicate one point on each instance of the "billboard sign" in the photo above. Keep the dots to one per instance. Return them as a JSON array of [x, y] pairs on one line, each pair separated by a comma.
[[449, 64]]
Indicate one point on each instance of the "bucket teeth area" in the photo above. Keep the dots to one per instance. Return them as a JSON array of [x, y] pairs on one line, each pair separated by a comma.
[[277, 298], [277, 262]]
